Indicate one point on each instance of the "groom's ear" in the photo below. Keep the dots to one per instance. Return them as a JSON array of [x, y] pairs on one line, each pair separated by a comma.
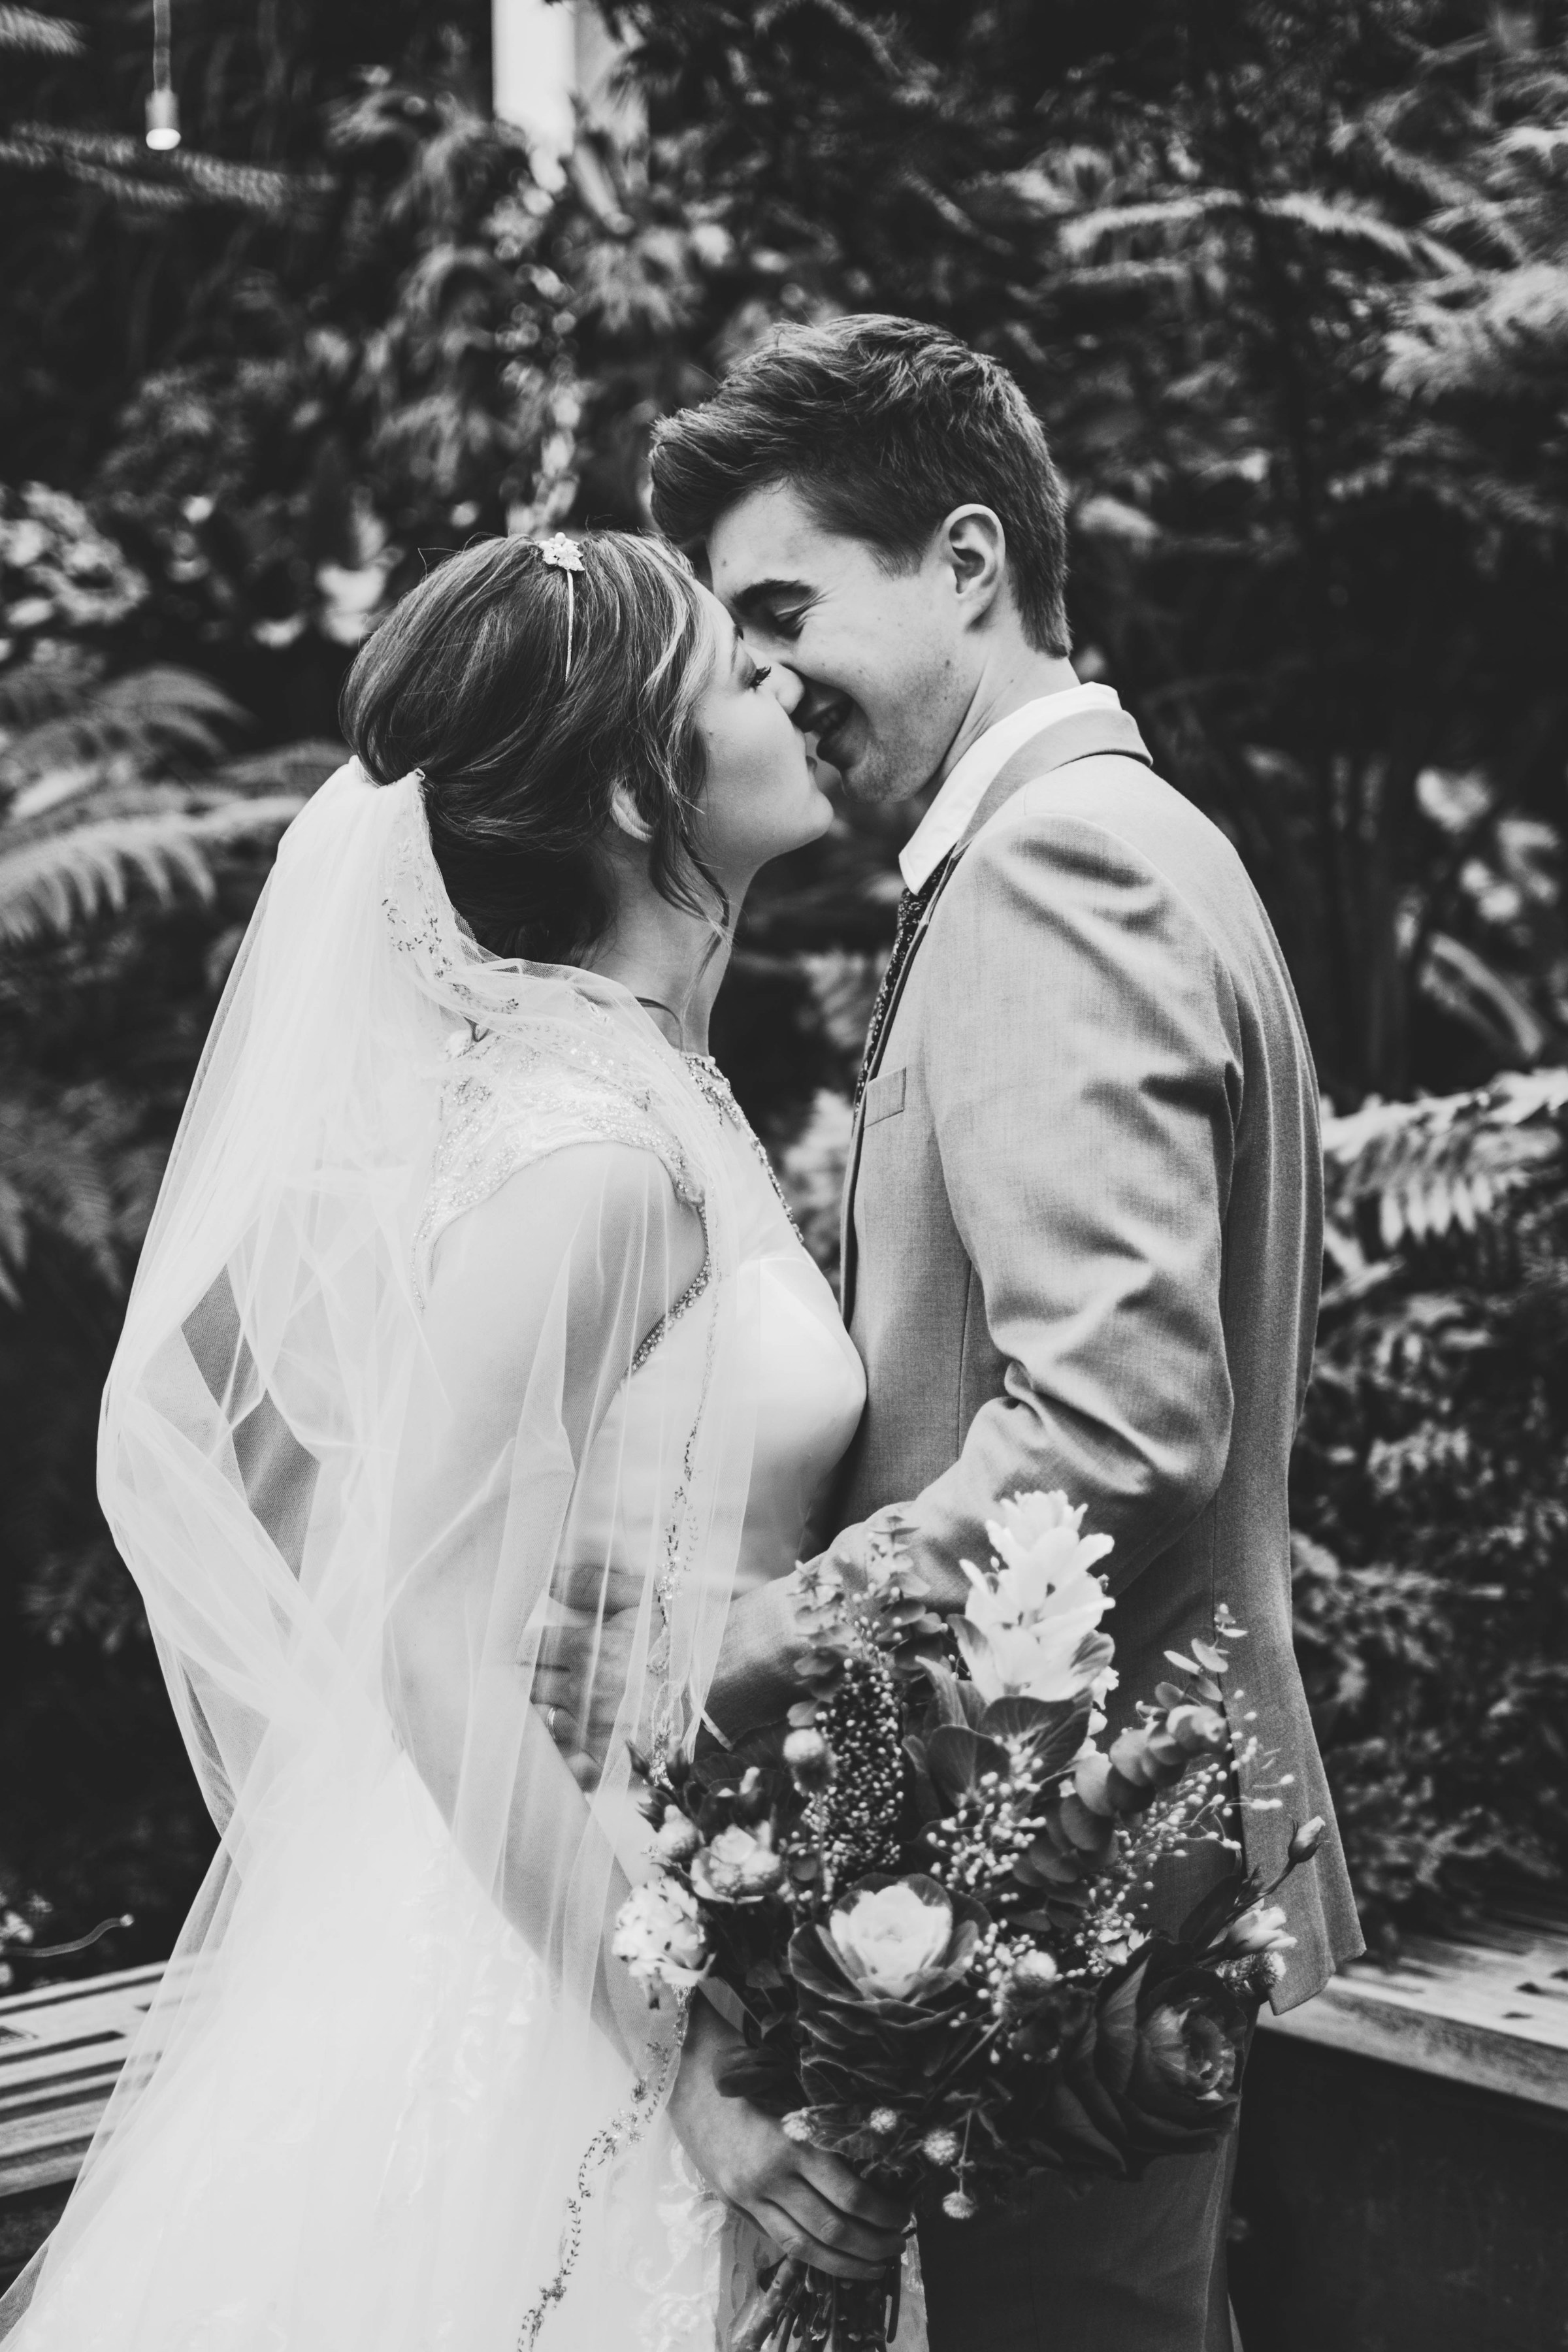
[[973, 546]]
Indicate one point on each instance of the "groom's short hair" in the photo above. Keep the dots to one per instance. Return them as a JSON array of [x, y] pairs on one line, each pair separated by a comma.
[[882, 426]]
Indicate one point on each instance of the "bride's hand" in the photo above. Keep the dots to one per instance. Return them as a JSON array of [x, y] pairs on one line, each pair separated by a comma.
[[810, 2204]]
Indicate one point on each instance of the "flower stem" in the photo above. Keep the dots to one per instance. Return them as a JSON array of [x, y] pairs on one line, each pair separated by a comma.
[[765, 2315]]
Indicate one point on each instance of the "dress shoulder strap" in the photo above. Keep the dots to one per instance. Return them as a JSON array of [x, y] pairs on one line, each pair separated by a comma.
[[502, 1109]]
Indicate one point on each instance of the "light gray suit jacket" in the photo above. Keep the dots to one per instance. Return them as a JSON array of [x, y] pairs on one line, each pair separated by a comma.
[[1083, 1238]]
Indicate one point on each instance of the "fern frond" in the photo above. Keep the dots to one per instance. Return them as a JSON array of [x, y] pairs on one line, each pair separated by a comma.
[[1369, 139], [1129, 277], [47, 37], [55, 884], [235, 823], [1413, 250], [1521, 322], [1412, 1171], [1173, 219], [1456, 207], [128, 724], [150, 195], [287, 768], [1486, 497], [1453, 976], [1543, 145], [66, 878], [71, 1166], [57, 1174], [1167, 218], [13, 1238], [123, 163], [49, 683]]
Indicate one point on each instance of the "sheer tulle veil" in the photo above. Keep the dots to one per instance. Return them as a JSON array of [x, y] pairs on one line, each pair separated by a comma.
[[344, 1454]]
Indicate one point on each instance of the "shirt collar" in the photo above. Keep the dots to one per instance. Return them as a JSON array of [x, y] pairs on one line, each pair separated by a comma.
[[958, 797]]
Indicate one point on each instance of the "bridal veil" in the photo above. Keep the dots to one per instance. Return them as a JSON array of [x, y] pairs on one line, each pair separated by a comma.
[[427, 1212]]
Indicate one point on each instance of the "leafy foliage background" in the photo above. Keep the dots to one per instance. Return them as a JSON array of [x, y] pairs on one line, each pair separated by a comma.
[[1430, 1497], [1287, 280]]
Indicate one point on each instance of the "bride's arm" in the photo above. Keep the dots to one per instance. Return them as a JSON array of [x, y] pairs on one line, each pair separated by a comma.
[[539, 1298]]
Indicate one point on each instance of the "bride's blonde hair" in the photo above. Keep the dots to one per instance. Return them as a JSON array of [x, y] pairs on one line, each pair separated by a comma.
[[467, 680]]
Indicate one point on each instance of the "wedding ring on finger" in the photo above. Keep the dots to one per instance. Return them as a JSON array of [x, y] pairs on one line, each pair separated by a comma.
[[550, 1712]]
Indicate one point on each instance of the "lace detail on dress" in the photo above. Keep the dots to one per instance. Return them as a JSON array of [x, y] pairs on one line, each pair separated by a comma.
[[682, 2283], [509, 1103]]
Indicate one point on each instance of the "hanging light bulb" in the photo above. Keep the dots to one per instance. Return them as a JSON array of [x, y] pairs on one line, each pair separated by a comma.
[[162, 106]]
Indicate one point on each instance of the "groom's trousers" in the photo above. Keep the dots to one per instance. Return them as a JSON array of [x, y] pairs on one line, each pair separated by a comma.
[[1127, 2267]]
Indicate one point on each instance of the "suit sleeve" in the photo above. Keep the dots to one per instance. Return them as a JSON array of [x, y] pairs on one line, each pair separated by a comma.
[[1085, 1079]]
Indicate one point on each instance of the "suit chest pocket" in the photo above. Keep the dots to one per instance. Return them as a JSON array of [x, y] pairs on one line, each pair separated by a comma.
[[884, 1097]]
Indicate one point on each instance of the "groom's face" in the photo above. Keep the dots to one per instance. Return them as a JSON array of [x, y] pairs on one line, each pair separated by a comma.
[[882, 654]]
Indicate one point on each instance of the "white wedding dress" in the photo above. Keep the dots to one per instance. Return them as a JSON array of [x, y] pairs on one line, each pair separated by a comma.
[[371, 2116]]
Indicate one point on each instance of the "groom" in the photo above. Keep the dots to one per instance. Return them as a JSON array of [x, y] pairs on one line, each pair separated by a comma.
[[1082, 1222]]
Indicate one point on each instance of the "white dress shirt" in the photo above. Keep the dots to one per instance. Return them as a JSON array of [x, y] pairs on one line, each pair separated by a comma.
[[960, 794]]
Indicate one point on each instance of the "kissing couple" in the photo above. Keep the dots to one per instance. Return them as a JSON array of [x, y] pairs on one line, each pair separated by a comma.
[[476, 1391]]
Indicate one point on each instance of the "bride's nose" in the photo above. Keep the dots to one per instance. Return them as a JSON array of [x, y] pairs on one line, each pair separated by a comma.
[[785, 685]]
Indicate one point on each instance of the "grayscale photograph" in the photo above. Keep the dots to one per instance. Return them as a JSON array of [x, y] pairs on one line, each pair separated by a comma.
[[784, 1176]]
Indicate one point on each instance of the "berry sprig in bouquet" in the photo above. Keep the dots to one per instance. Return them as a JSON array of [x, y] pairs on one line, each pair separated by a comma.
[[931, 1892]]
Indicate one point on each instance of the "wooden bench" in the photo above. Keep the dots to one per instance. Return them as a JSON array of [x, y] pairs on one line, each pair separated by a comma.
[[1402, 2178], [1402, 2182], [61, 2050]]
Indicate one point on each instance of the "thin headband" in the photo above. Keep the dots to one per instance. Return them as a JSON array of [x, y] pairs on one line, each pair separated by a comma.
[[564, 554]]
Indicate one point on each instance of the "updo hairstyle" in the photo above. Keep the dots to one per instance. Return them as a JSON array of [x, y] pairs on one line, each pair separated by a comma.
[[466, 678]]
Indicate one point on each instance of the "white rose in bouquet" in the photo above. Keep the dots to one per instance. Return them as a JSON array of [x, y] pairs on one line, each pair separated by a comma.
[[1027, 1630], [890, 1936], [738, 1862], [659, 1934]]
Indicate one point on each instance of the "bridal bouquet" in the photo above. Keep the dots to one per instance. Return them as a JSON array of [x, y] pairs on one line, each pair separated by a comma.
[[929, 1895]]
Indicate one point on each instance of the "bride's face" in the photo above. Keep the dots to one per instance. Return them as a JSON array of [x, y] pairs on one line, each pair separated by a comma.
[[762, 796]]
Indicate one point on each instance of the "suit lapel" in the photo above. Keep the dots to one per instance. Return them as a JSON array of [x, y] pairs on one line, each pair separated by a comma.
[[1090, 734]]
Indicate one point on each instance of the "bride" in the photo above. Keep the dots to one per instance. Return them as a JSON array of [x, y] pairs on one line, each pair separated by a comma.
[[469, 1311]]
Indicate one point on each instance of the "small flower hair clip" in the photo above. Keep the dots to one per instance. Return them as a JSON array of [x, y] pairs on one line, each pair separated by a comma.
[[564, 554]]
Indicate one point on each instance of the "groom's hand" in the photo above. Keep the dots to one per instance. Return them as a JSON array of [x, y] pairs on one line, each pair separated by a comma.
[[810, 2204], [579, 1681]]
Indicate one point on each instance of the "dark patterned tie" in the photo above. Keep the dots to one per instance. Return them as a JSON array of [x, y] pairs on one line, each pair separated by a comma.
[[911, 906]]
